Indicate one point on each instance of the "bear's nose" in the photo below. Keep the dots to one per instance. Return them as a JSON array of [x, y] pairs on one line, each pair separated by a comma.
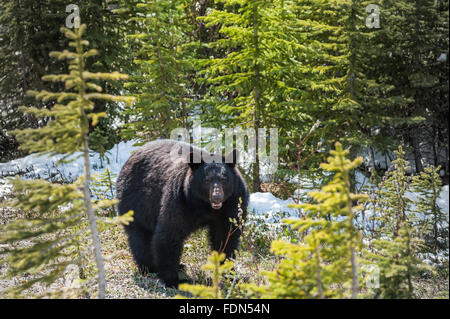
[[216, 194]]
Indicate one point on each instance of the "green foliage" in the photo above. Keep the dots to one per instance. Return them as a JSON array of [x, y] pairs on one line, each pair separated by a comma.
[[29, 32], [323, 265], [103, 187], [395, 250], [161, 83], [23, 60], [242, 75], [48, 233], [63, 135], [65, 213], [216, 268], [433, 222], [406, 67], [287, 64]]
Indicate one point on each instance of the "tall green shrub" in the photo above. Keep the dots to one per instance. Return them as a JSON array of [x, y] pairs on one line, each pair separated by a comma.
[[396, 247], [324, 264], [432, 219]]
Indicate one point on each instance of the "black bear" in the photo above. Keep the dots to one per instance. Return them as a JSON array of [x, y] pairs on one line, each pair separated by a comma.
[[172, 196]]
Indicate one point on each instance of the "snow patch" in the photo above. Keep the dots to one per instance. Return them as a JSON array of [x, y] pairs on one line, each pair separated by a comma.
[[33, 166], [270, 207]]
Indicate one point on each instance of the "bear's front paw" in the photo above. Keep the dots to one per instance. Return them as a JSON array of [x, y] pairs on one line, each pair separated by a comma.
[[169, 278]]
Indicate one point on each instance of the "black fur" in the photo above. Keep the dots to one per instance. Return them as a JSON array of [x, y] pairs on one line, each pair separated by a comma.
[[170, 201]]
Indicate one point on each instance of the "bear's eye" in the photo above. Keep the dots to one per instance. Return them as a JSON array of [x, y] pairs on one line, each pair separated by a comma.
[[207, 179], [223, 178]]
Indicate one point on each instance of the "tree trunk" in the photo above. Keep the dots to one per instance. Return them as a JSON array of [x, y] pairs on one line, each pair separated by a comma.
[[87, 178], [416, 150], [372, 157], [417, 98], [355, 281], [92, 218], [446, 161], [435, 145], [257, 97]]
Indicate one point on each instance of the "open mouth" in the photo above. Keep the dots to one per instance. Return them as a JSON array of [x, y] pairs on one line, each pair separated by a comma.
[[216, 205]]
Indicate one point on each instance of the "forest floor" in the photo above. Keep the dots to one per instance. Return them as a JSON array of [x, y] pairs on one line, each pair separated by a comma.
[[124, 282]]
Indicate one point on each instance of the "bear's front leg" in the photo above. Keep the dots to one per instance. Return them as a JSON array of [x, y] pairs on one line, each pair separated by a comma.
[[167, 246], [224, 237]]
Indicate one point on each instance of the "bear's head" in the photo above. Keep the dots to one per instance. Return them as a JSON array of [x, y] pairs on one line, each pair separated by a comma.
[[214, 178]]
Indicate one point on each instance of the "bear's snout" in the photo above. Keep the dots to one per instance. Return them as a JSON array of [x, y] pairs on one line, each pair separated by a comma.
[[216, 196]]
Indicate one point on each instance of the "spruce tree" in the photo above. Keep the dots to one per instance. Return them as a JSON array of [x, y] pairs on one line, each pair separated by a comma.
[[395, 251], [243, 74], [378, 101], [288, 64], [63, 212], [324, 265], [107, 33], [161, 84], [405, 56], [431, 219]]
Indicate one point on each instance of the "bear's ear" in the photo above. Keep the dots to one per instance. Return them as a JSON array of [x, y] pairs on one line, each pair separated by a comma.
[[232, 158], [193, 161]]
